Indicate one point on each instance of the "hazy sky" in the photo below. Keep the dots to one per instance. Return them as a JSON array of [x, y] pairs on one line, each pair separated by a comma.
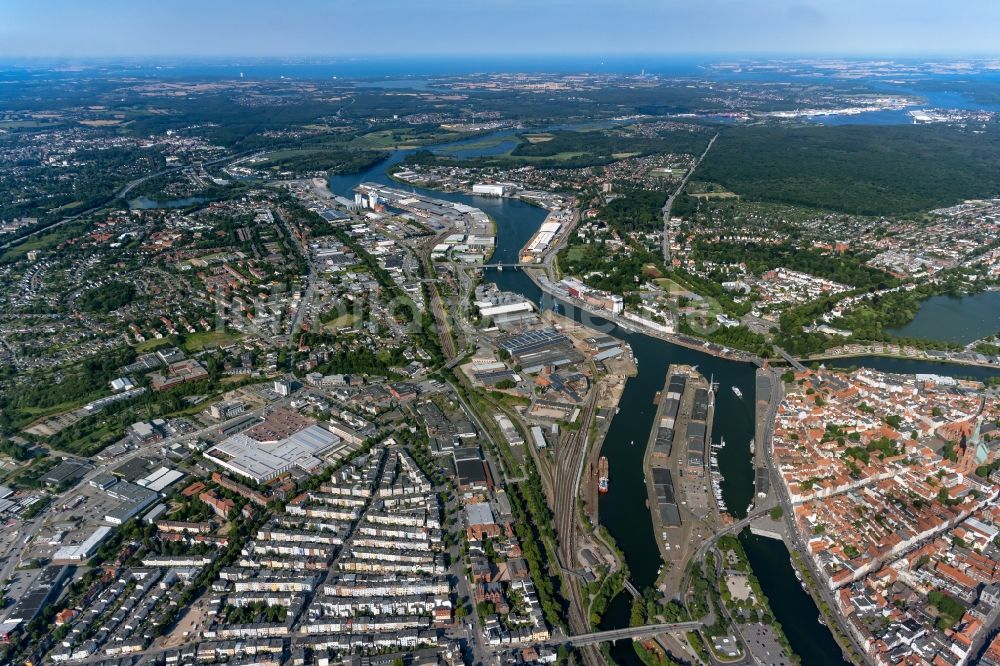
[[347, 27]]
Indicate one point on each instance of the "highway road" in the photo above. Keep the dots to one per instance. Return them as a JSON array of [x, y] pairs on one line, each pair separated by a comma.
[[670, 201]]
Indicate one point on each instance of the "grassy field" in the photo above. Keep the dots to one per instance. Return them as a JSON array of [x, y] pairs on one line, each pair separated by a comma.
[[39, 414], [318, 128], [289, 152], [706, 190], [400, 138], [669, 285], [346, 319], [651, 271], [68, 207], [151, 344], [42, 241], [559, 157], [716, 195], [541, 137], [197, 341], [26, 124]]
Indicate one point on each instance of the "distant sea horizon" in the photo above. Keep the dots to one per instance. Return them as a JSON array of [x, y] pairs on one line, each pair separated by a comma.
[[397, 66], [361, 67]]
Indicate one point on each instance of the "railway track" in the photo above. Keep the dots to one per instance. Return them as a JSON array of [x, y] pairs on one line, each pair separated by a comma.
[[437, 308], [570, 461]]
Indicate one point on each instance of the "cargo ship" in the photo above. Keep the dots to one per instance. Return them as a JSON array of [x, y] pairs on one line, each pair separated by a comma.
[[602, 475]]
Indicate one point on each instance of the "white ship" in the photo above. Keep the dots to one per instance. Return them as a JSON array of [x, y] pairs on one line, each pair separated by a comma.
[[738, 392]]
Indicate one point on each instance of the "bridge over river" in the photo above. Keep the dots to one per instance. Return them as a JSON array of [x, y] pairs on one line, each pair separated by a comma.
[[612, 635]]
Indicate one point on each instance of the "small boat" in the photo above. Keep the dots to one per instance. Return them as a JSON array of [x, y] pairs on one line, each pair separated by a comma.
[[632, 443], [752, 446], [738, 392], [602, 475]]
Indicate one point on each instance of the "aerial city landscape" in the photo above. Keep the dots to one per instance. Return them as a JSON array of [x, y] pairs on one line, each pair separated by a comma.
[[417, 359]]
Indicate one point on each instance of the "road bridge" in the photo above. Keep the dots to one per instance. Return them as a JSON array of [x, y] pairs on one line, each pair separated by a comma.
[[620, 634], [670, 201], [633, 590], [500, 266], [791, 360]]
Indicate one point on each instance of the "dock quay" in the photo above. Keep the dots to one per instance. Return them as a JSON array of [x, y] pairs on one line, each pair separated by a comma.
[[768, 396], [677, 469], [768, 390]]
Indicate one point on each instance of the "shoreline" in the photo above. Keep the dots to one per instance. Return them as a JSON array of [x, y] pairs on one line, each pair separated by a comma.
[[741, 356], [634, 327], [696, 344], [899, 356], [464, 192]]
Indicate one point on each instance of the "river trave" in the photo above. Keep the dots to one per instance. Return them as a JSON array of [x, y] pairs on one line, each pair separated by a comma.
[[623, 510]]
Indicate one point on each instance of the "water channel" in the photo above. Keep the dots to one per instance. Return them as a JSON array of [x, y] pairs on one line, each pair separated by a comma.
[[623, 510]]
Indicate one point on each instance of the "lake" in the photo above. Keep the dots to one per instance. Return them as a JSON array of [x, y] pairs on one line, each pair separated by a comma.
[[145, 203], [959, 320]]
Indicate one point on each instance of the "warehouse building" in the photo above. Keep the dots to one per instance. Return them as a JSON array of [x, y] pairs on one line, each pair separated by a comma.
[[83, 551], [264, 459]]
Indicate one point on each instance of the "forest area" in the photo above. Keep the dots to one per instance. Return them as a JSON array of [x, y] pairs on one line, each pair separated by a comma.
[[861, 169]]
